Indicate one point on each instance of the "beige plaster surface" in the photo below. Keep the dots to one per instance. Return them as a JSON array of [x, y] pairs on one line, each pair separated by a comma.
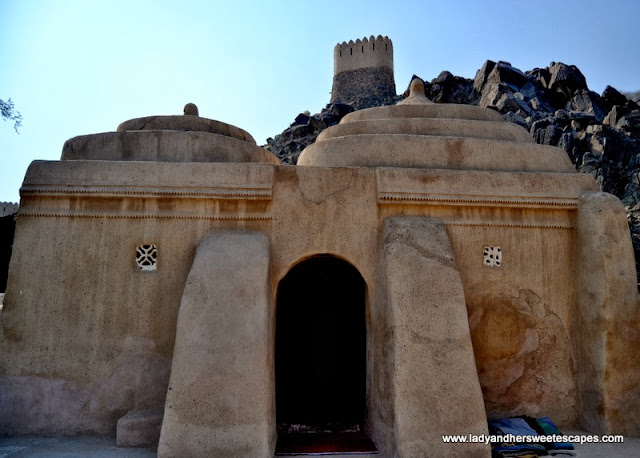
[[164, 146], [321, 207], [304, 211], [425, 110], [417, 133], [430, 126], [417, 94], [424, 344], [606, 319], [98, 338], [186, 123], [220, 400], [139, 428], [88, 336], [365, 53], [441, 152]]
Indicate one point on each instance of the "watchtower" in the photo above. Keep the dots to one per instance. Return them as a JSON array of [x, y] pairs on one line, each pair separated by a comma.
[[363, 72]]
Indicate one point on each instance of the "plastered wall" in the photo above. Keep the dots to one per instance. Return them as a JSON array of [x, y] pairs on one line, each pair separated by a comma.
[[365, 53]]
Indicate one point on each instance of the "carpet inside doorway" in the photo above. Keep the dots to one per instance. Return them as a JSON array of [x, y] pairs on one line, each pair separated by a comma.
[[356, 443]]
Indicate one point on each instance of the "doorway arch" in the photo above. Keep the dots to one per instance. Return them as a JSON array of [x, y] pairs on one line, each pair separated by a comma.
[[320, 357]]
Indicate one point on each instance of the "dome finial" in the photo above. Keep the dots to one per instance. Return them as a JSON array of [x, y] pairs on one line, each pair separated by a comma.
[[191, 109], [416, 94]]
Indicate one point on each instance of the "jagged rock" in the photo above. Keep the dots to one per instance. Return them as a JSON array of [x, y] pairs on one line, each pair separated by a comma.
[[503, 72], [447, 88], [538, 105], [491, 94], [580, 121], [338, 111], [567, 79], [588, 102], [546, 133], [480, 79], [510, 102], [504, 88], [611, 97], [630, 123], [298, 131], [541, 75], [517, 119], [288, 145], [301, 120], [532, 89], [614, 115]]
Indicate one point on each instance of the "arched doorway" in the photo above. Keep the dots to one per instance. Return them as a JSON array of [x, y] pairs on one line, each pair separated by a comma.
[[320, 357]]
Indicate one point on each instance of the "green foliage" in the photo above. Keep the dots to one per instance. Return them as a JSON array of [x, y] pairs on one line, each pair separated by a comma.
[[8, 112]]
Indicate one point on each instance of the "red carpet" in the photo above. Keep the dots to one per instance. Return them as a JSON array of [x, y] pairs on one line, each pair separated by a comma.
[[325, 444]]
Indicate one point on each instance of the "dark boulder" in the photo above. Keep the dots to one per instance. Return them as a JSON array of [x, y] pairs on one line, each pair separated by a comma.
[[630, 123], [567, 79], [611, 97], [503, 72], [587, 101], [540, 106], [615, 114], [541, 75], [532, 89], [288, 145], [302, 119], [339, 110], [447, 88], [481, 75]]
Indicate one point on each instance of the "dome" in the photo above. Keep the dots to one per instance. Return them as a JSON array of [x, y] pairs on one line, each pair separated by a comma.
[[187, 138], [417, 133]]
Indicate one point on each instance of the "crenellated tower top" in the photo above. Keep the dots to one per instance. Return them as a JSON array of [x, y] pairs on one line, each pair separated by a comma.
[[373, 52]]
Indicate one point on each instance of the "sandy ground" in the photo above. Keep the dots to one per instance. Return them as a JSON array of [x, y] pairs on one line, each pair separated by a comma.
[[105, 447]]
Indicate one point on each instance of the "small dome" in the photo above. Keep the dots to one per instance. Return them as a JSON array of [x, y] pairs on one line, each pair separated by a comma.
[[190, 121], [184, 138], [417, 133]]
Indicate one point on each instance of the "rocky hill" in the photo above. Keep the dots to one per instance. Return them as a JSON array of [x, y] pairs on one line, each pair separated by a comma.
[[599, 132]]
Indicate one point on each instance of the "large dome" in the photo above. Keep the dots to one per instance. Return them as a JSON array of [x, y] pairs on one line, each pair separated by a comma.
[[417, 133]]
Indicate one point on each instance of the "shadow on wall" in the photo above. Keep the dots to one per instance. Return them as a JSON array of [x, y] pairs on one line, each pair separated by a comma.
[[7, 229]]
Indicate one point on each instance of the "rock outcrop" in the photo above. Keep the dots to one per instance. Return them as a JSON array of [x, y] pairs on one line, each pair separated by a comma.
[[304, 130]]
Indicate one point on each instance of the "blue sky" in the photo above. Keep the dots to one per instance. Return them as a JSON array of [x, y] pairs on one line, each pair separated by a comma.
[[78, 67]]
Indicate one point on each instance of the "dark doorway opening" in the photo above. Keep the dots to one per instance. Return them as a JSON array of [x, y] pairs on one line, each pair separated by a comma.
[[320, 357]]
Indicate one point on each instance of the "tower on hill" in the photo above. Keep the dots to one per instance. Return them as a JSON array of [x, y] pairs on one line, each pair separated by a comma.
[[363, 72]]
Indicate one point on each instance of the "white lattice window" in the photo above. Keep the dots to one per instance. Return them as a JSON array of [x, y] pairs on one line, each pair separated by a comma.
[[492, 256], [147, 257]]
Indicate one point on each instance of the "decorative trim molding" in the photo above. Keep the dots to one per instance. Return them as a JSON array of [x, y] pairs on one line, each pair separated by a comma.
[[146, 216], [107, 191], [500, 201], [510, 225]]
